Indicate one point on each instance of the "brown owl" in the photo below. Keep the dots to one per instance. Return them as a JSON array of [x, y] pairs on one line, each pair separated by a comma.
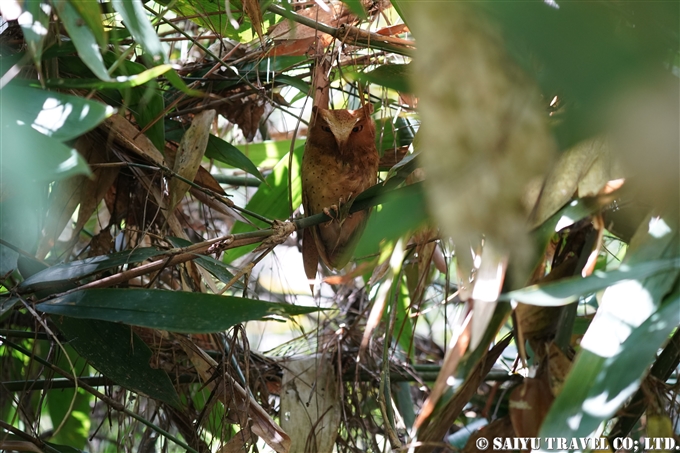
[[340, 162]]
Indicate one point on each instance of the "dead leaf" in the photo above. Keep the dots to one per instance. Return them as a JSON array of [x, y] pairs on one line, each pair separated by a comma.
[[189, 155], [254, 13], [127, 135], [310, 403]]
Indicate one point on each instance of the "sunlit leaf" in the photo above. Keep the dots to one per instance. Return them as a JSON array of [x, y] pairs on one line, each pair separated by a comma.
[[83, 38], [58, 115], [135, 19]]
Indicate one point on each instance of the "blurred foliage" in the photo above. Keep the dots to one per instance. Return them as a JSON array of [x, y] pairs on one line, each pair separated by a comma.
[[549, 153]]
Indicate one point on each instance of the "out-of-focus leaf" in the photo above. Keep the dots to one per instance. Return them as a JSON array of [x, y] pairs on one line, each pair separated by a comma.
[[570, 289], [189, 155], [399, 7], [394, 76], [57, 115], [29, 154], [390, 223], [106, 346], [83, 38], [356, 7], [90, 12], [34, 23], [135, 19], [562, 182], [176, 311], [120, 82], [73, 271], [271, 200]]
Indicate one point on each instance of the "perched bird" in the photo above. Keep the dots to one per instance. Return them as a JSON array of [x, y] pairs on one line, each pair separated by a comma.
[[340, 162]]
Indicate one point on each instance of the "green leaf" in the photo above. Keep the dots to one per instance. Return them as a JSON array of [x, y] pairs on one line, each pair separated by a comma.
[[177, 82], [271, 200], [569, 290], [121, 82], [391, 223], [267, 154], [34, 25], [83, 38], [394, 76], [227, 153], [401, 9], [633, 321], [357, 8], [175, 311], [26, 153], [597, 386], [57, 115], [119, 354], [135, 19], [66, 274], [91, 13]]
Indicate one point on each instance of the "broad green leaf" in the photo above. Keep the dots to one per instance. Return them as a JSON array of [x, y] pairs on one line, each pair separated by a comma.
[[120, 82], [20, 224], [90, 12], [394, 76], [135, 19], [569, 290], [391, 222], [34, 24], [177, 82], [227, 153], [267, 154], [57, 115], [271, 200], [634, 319], [27, 153], [295, 82], [399, 7], [175, 311], [83, 38], [65, 274], [597, 386], [207, 14], [119, 354]]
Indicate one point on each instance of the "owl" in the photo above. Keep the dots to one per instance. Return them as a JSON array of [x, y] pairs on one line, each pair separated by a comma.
[[340, 161]]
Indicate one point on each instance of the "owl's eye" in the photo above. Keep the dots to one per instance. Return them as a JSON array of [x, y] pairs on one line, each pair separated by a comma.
[[326, 128], [358, 128]]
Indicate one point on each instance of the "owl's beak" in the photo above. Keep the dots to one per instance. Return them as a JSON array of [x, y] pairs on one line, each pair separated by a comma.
[[341, 132]]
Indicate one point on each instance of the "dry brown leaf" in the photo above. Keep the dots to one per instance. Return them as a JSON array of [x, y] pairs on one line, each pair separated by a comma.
[[254, 13], [310, 403], [483, 136], [529, 404], [558, 367], [240, 404], [568, 174], [189, 155], [132, 139]]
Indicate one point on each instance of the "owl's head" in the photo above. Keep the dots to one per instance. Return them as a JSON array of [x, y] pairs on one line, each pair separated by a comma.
[[347, 129]]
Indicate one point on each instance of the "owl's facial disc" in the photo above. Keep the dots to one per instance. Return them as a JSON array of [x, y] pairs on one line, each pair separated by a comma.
[[341, 127]]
